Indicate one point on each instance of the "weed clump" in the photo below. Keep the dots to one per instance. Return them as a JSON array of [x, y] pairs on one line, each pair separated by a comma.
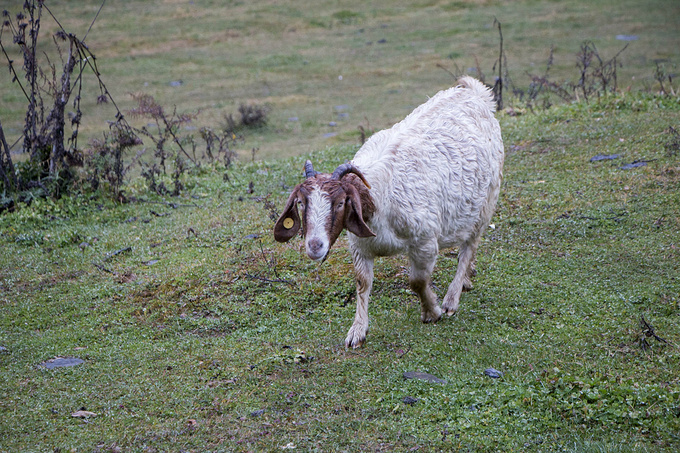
[[253, 115]]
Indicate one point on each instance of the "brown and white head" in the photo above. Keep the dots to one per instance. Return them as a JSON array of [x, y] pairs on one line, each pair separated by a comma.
[[327, 203]]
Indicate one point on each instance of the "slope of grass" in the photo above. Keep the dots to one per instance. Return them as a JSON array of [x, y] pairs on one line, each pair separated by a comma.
[[200, 333], [291, 55]]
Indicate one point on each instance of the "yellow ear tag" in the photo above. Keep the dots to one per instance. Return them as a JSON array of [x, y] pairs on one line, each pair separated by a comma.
[[288, 223]]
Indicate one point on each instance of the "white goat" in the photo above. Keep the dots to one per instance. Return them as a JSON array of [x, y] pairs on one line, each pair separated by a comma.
[[430, 182]]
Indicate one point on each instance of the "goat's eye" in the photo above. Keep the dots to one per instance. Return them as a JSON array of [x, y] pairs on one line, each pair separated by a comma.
[[340, 205]]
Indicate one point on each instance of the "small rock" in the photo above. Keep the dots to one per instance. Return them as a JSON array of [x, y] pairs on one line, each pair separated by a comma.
[[410, 400], [176, 83], [627, 37], [253, 236], [423, 377], [257, 413], [635, 164], [493, 373], [600, 157], [83, 414], [59, 362]]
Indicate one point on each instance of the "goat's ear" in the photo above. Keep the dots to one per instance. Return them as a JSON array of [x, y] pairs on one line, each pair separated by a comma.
[[289, 223], [354, 220]]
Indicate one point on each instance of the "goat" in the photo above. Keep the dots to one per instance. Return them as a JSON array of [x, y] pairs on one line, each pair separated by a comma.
[[430, 182]]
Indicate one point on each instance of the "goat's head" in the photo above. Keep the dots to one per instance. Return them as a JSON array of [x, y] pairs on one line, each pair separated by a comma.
[[328, 204]]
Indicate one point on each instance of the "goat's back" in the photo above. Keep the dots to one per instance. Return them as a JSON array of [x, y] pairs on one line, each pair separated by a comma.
[[438, 171]]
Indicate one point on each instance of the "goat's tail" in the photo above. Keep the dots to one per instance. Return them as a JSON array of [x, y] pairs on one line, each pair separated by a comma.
[[479, 89]]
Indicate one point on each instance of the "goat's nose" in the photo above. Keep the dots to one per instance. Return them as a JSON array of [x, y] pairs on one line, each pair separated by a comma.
[[316, 249], [315, 245]]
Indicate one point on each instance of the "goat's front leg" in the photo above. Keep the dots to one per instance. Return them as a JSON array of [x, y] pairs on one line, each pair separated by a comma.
[[363, 270]]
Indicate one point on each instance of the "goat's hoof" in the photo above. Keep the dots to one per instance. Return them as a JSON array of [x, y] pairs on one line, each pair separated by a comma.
[[356, 337], [450, 310], [433, 315]]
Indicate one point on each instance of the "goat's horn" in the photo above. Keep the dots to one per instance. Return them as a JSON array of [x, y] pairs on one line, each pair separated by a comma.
[[309, 170], [346, 168]]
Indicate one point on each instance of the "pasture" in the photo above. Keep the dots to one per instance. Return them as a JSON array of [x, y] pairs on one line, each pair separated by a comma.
[[197, 332]]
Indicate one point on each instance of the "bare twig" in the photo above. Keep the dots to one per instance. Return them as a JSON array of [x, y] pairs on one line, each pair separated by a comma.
[[15, 76], [6, 165], [94, 20], [441, 66], [102, 268], [348, 298], [403, 354], [498, 85], [267, 280], [648, 331], [172, 205], [117, 252], [272, 266]]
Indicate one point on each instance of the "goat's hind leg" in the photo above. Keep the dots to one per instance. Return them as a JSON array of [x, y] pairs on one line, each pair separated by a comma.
[[462, 281], [422, 262]]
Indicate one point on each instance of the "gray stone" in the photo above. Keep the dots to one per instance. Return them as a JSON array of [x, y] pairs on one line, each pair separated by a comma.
[[600, 157], [636, 164], [59, 362], [493, 373], [410, 400]]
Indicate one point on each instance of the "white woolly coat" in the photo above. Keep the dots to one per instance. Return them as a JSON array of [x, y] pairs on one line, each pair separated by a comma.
[[436, 174]]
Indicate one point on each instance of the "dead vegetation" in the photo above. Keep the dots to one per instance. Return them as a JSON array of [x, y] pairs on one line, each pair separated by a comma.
[[56, 163]]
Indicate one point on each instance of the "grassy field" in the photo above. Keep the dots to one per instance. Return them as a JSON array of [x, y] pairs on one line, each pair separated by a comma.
[[199, 333], [212, 56]]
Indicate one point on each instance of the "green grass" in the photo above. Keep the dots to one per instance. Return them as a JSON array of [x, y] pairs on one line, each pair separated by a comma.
[[198, 336], [290, 54], [190, 346]]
